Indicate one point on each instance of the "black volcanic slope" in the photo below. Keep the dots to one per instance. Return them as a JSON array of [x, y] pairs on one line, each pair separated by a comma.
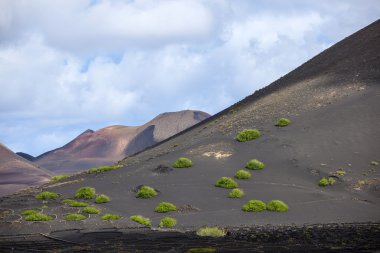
[[333, 101]]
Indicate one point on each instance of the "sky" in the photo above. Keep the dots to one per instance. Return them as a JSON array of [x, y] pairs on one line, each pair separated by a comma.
[[71, 65]]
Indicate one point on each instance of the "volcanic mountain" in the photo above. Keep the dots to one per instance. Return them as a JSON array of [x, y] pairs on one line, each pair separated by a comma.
[[17, 173], [110, 144], [333, 103]]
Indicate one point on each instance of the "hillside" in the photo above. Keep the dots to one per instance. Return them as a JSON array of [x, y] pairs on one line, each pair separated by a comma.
[[112, 143], [332, 102]]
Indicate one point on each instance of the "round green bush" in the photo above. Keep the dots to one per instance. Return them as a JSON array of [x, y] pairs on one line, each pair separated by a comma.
[[29, 212], [226, 182], [277, 206], [281, 122], [77, 204], [168, 222], [142, 220], [164, 207], [146, 192], [248, 134], [255, 164], [91, 210], [38, 217], [47, 195], [254, 206], [211, 231], [110, 216], [183, 162], [102, 198], [236, 193], [85, 192], [74, 216], [243, 174]]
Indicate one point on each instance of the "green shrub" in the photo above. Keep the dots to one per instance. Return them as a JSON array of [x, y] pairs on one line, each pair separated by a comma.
[[102, 198], [331, 181], [74, 216], [47, 195], [110, 216], [164, 207], [68, 201], [340, 172], [374, 163], [38, 217], [201, 250], [243, 174], [146, 192], [30, 211], [283, 122], [277, 206], [183, 162], [211, 231], [142, 220], [44, 206], [168, 222], [77, 204], [85, 192], [248, 134], [254, 206], [58, 178], [226, 182], [326, 181], [255, 164], [91, 210], [104, 168], [236, 193]]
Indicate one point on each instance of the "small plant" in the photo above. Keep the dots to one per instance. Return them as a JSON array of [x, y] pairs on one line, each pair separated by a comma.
[[29, 212], [374, 163], [102, 198], [91, 210], [104, 168], [168, 222], [331, 181], [248, 134], [326, 181], [183, 162], [243, 174], [58, 178], [340, 172], [255, 164], [236, 193], [74, 216], [164, 207], [77, 204], [85, 192], [277, 206], [44, 206], [38, 217], [68, 201], [142, 220], [201, 250], [226, 182], [110, 216], [281, 122], [146, 192], [47, 195], [211, 231], [254, 206]]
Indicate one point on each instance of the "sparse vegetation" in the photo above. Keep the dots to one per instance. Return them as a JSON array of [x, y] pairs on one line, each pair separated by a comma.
[[47, 195], [374, 163], [340, 172], [85, 193], [254, 206], [30, 211], [281, 122], [110, 216], [201, 250], [91, 210], [38, 217], [44, 207], [277, 206], [164, 207], [104, 168], [146, 192], [326, 181], [331, 181], [74, 216], [102, 198], [142, 220], [168, 222], [183, 162], [68, 201], [77, 204], [236, 193], [226, 182], [58, 178], [255, 164], [211, 231], [243, 174], [248, 134]]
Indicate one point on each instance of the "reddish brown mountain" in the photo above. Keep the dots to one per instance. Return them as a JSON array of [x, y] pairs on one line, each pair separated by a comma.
[[17, 173], [110, 144]]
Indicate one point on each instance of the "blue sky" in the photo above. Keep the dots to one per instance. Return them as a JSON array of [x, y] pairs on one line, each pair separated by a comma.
[[70, 65]]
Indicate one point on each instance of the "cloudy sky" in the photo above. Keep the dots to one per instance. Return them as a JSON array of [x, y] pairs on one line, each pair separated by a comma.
[[70, 65]]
